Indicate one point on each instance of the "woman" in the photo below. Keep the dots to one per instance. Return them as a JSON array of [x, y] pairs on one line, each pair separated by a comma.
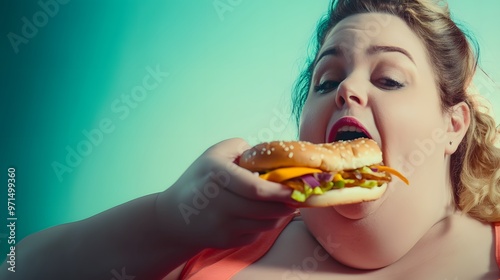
[[400, 68]]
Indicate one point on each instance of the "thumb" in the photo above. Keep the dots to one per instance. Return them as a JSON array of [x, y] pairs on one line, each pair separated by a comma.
[[229, 149]]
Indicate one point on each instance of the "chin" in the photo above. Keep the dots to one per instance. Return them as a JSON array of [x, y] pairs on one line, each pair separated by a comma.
[[374, 264], [359, 237], [358, 211]]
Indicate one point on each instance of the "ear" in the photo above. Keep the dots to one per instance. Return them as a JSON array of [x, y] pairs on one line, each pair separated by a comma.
[[458, 123]]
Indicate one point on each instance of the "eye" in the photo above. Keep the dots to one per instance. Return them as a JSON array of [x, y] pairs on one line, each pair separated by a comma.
[[326, 86], [389, 84]]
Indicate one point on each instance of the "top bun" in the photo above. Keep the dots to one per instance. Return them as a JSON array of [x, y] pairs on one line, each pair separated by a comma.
[[329, 157]]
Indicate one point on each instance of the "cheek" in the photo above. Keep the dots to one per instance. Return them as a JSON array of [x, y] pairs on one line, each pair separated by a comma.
[[402, 119], [314, 119], [413, 135]]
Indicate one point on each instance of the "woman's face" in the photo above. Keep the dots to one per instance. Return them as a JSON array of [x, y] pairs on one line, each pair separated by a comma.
[[374, 69]]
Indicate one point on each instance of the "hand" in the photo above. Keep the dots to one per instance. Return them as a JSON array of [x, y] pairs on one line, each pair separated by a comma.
[[218, 204]]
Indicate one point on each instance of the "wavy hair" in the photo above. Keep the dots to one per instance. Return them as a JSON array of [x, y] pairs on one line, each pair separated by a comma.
[[475, 166]]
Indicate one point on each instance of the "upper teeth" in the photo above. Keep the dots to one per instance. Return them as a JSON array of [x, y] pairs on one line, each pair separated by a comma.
[[350, 128]]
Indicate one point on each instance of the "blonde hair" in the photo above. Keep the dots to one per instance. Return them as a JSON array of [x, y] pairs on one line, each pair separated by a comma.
[[475, 166]]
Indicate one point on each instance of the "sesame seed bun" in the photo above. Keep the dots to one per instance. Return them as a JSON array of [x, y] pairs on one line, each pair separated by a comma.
[[328, 157]]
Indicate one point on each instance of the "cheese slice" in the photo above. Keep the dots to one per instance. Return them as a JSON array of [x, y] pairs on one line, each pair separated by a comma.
[[282, 174]]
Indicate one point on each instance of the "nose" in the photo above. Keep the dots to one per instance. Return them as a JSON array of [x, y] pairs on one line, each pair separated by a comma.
[[351, 93]]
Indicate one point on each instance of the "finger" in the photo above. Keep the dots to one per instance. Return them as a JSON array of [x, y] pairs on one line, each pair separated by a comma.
[[241, 181], [229, 149], [247, 184]]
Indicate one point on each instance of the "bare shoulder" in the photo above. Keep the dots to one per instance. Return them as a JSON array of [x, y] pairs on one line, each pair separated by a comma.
[[472, 244], [458, 246]]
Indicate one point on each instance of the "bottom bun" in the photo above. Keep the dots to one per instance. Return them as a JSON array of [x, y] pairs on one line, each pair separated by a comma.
[[345, 196]]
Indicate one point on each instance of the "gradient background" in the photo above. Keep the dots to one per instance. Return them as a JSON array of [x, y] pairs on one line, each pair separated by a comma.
[[230, 74]]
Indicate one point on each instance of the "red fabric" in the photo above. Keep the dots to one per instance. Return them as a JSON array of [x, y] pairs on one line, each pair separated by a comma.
[[224, 264]]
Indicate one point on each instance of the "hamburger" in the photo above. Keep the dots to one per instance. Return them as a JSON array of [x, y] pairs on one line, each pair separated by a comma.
[[326, 174]]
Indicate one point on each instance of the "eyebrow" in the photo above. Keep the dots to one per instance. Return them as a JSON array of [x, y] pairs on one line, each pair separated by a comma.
[[338, 51], [379, 49]]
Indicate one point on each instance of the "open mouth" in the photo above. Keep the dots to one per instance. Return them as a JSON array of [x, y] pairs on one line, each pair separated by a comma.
[[349, 133], [347, 128]]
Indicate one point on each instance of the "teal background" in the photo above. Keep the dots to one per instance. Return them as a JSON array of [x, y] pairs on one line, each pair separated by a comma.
[[230, 75]]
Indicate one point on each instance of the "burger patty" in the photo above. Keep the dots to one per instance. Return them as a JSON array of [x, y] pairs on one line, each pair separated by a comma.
[[356, 175]]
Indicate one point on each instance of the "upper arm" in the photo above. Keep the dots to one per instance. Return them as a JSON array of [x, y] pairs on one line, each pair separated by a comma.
[[32, 254]]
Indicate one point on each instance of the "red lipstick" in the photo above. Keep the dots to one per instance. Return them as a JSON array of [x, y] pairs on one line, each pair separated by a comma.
[[346, 121]]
